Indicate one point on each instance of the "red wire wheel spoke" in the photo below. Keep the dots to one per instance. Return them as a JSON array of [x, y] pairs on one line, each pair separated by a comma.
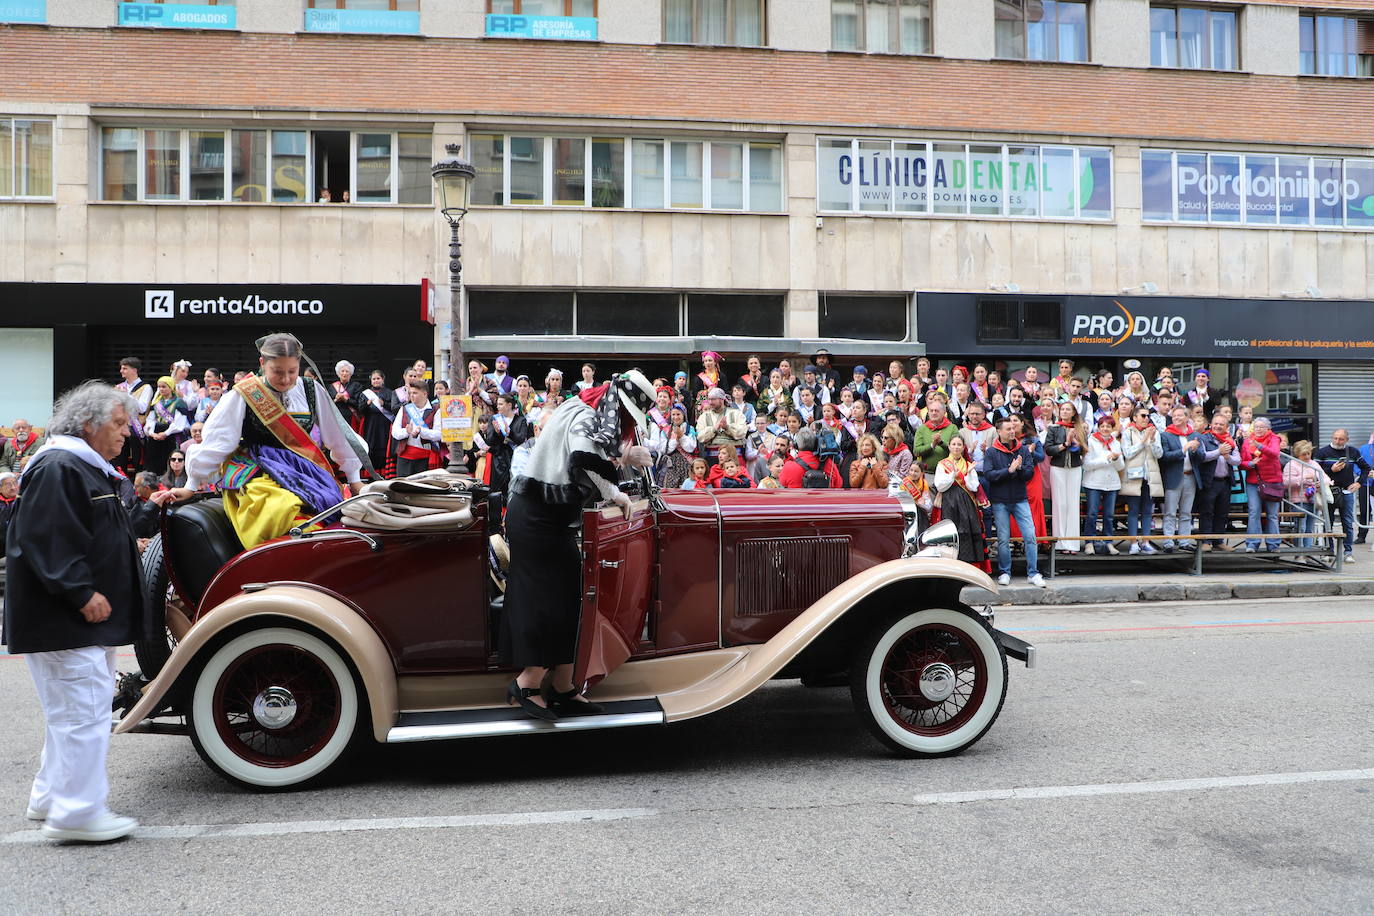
[[312, 684], [901, 675]]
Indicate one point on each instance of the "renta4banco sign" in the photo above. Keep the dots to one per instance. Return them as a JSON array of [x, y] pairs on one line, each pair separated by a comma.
[[164, 303]]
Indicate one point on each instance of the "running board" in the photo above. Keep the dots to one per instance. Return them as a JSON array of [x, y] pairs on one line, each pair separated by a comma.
[[494, 722]]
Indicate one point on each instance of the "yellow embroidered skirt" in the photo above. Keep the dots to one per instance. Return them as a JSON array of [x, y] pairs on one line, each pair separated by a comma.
[[262, 510]]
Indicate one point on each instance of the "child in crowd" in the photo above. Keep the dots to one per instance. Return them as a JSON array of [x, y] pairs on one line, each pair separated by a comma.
[[698, 479]]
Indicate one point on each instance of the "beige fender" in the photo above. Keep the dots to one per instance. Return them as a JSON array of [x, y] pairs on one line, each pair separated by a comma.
[[315, 609], [763, 661]]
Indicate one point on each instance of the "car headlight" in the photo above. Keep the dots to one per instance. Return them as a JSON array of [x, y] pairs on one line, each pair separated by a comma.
[[939, 540]]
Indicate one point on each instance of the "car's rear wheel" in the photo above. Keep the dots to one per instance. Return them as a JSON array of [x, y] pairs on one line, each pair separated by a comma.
[[152, 653], [929, 683], [274, 708]]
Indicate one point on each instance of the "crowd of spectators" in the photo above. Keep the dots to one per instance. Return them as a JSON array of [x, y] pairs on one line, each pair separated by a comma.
[[998, 452]]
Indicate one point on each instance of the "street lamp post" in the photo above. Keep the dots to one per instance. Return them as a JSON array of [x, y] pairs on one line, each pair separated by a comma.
[[452, 175]]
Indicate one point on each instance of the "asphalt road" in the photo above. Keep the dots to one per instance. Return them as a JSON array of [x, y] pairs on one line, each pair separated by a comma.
[[784, 804]]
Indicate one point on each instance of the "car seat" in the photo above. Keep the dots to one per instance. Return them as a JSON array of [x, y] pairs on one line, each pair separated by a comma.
[[198, 540]]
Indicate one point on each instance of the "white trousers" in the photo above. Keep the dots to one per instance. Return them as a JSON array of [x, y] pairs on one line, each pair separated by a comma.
[[1065, 486], [75, 688]]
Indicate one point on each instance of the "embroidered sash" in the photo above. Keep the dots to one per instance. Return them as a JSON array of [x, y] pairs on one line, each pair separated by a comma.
[[281, 424]]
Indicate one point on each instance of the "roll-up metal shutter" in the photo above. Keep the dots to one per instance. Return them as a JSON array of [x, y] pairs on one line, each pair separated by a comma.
[[1345, 399]]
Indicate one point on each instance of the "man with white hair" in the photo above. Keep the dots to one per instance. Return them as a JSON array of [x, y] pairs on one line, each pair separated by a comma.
[[74, 593], [20, 447], [719, 424]]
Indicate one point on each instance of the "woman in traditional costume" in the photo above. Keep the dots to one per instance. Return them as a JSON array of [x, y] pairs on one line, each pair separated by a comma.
[[166, 421], [345, 389], [575, 464], [263, 447], [378, 407], [957, 483]]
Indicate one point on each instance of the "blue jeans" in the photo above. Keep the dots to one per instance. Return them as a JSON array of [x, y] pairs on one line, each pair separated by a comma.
[[1255, 506], [1345, 503], [1002, 512], [1306, 524], [1138, 511], [1103, 501]]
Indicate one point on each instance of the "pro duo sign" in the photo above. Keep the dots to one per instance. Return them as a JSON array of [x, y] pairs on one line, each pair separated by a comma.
[[1116, 328]]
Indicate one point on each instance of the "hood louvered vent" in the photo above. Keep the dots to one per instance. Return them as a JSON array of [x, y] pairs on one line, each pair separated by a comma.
[[787, 575]]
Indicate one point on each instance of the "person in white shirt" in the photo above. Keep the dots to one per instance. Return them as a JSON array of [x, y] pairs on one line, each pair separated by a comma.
[[214, 392], [416, 433]]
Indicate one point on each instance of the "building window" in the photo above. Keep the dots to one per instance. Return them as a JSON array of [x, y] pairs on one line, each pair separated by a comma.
[[615, 313], [1336, 45], [1188, 186], [257, 166], [714, 22], [962, 179], [864, 317], [663, 174], [1002, 320], [1042, 29], [25, 158], [881, 26], [542, 7], [1193, 38]]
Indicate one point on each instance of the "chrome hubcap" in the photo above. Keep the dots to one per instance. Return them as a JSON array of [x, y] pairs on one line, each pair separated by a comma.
[[275, 707], [937, 682]]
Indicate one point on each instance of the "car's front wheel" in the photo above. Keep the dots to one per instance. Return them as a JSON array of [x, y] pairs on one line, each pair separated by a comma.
[[274, 708], [930, 682]]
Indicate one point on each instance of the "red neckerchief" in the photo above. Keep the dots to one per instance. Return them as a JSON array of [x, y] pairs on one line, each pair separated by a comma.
[[898, 448], [1260, 440], [978, 429], [1141, 429], [1069, 425], [935, 429], [999, 445], [1223, 439], [19, 450], [1107, 441], [1186, 431]]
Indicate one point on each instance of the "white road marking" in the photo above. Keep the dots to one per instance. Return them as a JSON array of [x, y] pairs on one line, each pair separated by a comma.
[[1140, 788], [284, 828]]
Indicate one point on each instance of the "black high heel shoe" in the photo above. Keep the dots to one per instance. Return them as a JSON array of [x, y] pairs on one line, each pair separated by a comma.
[[567, 704], [517, 695]]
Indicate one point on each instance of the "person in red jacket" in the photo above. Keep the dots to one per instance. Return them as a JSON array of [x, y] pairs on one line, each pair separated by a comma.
[[794, 472], [1259, 462], [727, 474]]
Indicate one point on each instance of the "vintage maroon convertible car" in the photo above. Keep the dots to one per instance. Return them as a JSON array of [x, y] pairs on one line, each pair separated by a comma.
[[288, 654]]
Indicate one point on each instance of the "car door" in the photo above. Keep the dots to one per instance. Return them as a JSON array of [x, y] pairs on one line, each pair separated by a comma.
[[618, 557]]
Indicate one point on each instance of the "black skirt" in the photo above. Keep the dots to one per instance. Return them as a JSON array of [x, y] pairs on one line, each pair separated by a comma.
[[543, 584], [957, 506]]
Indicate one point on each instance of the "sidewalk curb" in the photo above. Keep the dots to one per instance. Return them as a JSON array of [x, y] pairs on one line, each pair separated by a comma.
[[1116, 593]]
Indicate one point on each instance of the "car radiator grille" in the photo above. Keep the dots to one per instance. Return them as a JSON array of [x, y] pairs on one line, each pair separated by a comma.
[[786, 575]]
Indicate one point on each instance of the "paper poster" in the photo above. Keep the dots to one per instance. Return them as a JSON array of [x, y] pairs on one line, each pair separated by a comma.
[[455, 419]]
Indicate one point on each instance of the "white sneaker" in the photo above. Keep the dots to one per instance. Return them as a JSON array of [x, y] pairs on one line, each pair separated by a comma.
[[1005, 579], [1135, 549], [1037, 580], [1148, 548], [34, 814], [106, 827], [1350, 558]]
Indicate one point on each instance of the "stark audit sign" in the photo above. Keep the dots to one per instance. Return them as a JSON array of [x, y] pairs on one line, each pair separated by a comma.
[[164, 303]]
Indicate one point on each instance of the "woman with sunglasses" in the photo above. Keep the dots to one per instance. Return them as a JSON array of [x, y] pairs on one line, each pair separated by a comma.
[[176, 471]]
